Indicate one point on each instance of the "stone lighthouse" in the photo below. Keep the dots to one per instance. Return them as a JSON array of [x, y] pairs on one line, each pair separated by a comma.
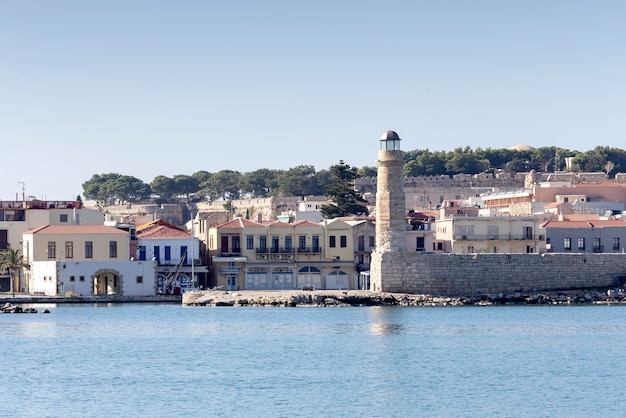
[[390, 216]]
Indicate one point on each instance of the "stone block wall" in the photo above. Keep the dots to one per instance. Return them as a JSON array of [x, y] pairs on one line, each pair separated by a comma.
[[472, 274]]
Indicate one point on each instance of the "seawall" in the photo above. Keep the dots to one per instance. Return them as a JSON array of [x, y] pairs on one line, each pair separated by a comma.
[[28, 299], [475, 274]]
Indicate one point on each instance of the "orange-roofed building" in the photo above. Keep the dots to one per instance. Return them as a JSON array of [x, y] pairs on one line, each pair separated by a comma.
[[84, 260]]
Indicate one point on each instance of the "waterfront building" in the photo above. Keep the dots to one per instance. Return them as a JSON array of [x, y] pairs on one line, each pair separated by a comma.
[[280, 255], [491, 234], [84, 260], [593, 236], [19, 216], [177, 255]]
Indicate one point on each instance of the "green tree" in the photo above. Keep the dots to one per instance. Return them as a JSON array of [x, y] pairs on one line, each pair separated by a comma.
[[426, 163], [366, 171], [100, 188], [164, 187], [465, 161], [345, 201], [129, 189], [259, 183], [224, 184], [11, 260], [185, 186], [297, 181]]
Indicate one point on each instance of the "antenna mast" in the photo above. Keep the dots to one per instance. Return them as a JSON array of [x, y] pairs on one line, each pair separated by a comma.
[[23, 189]]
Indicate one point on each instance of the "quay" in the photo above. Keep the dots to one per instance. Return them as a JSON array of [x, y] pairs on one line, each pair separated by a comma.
[[34, 299], [345, 298]]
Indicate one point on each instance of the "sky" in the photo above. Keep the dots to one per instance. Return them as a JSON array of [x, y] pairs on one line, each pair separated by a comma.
[[151, 87]]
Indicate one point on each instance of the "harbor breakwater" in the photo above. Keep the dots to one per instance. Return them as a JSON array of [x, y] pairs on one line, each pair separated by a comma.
[[481, 274], [329, 298]]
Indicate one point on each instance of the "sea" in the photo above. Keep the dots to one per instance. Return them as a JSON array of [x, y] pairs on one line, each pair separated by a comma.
[[168, 360]]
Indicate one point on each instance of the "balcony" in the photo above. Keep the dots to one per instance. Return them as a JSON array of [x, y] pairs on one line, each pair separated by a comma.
[[229, 269], [234, 252], [309, 250], [496, 237]]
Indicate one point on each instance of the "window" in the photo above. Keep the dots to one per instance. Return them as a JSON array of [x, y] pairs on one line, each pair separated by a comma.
[[372, 241], [615, 244], [236, 245], [69, 249], [139, 279], [112, 249], [72, 278], [274, 244], [528, 232], [332, 241], [52, 249], [316, 243], [581, 244], [301, 242], [288, 242], [81, 278], [567, 244], [141, 250], [596, 245], [168, 253], [343, 241], [88, 249], [63, 217], [249, 242], [263, 243]]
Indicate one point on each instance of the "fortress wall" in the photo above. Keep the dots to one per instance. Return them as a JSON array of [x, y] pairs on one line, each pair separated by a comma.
[[472, 274]]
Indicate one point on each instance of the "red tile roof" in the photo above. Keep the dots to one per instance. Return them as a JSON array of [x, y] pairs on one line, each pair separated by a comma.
[[584, 224], [238, 223], [76, 229], [163, 232]]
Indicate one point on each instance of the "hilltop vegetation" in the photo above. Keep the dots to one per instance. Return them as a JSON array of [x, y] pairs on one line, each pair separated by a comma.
[[304, 180]]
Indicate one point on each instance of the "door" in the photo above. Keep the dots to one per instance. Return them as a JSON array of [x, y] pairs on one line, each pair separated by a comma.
[[231, 283]]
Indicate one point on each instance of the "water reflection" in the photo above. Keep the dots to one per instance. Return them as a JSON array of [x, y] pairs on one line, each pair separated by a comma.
[[386, 328], [385, 321]]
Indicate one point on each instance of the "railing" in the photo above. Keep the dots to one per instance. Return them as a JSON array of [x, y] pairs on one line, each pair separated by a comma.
[[496, 237], [229, 270], [309, 250], [232, 253]]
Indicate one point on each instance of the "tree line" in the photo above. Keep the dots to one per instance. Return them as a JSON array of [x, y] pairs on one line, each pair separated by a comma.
[[305, 180]]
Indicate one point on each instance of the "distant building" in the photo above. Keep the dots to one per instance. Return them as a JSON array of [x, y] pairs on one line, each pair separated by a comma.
[[597, 236]]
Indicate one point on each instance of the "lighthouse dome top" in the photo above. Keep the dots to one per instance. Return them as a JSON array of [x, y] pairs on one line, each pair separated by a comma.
[[390, 141]]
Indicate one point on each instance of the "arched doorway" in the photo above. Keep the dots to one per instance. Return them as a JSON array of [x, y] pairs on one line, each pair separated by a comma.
[[107, 282], [337, 280], [309, 276]]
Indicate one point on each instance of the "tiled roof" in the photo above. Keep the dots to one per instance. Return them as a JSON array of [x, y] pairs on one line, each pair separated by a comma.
[[76, 229], [155, 223], [238, 223], [163, 232], [584, 224]]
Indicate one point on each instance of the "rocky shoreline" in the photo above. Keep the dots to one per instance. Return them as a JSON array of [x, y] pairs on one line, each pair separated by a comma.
[[366, 298]]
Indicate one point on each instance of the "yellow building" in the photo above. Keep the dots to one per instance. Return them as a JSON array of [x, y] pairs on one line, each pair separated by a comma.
[[279, 255]]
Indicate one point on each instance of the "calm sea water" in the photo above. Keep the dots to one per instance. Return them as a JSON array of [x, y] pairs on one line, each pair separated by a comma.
[[167, 360]]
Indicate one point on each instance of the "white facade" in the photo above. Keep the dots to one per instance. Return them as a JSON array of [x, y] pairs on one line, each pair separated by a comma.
[[88, 278]]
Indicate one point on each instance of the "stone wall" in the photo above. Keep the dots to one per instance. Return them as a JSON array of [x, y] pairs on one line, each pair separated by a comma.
[[472, 274]]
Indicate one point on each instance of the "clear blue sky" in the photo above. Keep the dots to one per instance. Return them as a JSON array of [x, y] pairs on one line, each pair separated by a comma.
[[147, 88]]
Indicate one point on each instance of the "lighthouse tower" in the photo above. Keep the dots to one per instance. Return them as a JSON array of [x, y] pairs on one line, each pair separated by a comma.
[[390, 215]]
